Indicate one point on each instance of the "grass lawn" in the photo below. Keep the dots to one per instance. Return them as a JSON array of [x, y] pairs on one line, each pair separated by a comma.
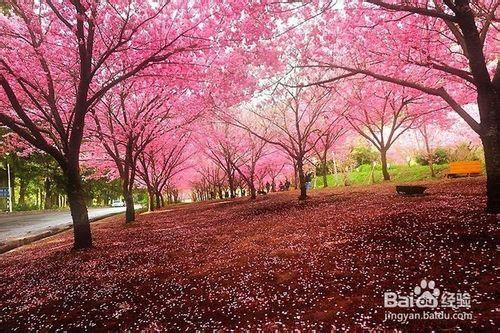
[[272, 264], [398, 173]]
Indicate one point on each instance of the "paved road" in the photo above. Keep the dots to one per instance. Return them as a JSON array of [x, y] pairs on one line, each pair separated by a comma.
[[18, 225]]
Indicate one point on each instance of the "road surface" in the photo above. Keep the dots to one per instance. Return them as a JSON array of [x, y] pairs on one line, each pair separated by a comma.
[[20, 225]]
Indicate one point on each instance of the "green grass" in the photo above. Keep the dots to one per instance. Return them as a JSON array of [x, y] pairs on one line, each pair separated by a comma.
[[398, 173]]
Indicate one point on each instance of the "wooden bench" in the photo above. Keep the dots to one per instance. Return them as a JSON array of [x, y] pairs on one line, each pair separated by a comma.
[[410, 189], [464, 168]]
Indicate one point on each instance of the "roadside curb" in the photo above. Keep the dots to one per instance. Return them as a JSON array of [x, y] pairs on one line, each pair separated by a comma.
[[35, 212], [18, 242]]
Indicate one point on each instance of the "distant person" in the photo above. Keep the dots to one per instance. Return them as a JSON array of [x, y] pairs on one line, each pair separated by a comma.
[[268, 187], [281, 187], [273, 186], [308, 180], [287, 185]]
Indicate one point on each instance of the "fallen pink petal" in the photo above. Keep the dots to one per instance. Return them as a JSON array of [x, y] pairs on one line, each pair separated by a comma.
[[253, 166]]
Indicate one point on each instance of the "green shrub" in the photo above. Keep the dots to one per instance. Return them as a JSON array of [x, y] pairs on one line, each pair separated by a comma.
[[364, 168], [364, 155], [465, 152], [440, 156]]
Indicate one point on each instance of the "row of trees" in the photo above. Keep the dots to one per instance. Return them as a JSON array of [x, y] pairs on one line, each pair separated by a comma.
[[114, 83], [141, 133], [302, 126], [59, 60]]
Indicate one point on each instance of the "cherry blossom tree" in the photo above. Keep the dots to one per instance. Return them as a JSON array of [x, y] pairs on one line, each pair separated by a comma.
[[331, 137], [209, 181], [273, 165], [252, 151], [222, 147], [125, 121], [162, 160]]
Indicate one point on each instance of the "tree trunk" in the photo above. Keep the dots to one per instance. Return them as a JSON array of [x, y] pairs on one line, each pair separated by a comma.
[[302, 180], [22, 192], [383, 158], [157, 197], [129, 203], [430, 155], [489, 106], [231, 187], [13, 184], [151, 200], [488, 101], [39, 199], [431, 167], [79, 214], [48, 194], [325, 173], [492, 160], [295, 178], [253, 191]]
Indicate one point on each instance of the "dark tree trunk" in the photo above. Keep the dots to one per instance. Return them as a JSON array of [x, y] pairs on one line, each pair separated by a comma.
[[302, 180], [76, 199], [129, 203], [489, 109], [253, 191], [488, 101], [158, 202], [492, 160], [231, 187], [383, 158]]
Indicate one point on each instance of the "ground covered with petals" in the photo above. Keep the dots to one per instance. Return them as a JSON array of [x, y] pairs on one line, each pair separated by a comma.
[[271, 264]]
